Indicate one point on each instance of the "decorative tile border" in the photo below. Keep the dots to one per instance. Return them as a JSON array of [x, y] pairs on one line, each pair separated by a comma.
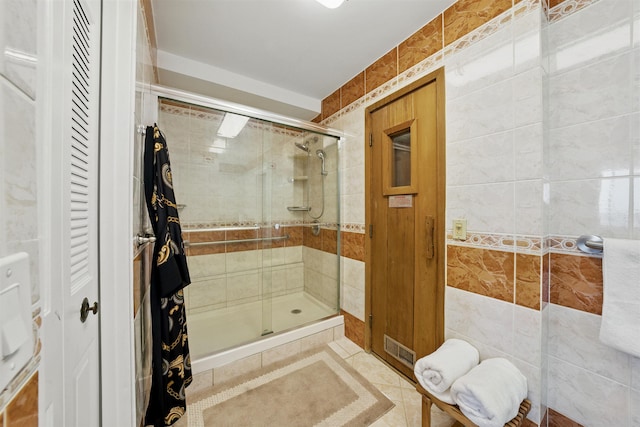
[[568, 7], [381, 91], [503, 242], [562, 244], [545, 9], [359, 103], [527, 6], [353, 228], [334, 117], [566, 245], [421, 69], [521, 244]]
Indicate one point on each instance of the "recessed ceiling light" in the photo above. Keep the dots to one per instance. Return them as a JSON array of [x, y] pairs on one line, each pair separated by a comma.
[[331, 4]]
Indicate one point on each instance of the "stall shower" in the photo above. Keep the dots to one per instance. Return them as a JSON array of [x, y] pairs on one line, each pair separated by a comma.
[[259, 212]]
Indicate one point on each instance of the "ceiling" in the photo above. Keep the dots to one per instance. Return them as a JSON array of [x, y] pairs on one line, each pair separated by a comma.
[[283, 56]]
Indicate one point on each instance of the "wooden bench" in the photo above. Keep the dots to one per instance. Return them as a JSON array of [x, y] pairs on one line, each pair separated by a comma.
[[461, 420]]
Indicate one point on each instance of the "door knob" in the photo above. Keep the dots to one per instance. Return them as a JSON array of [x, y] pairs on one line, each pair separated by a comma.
[[86, 308]]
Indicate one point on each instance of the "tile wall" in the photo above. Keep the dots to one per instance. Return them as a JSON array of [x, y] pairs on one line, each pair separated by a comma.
[[494, 164], [542, 134], [19, 195], [142, 254]]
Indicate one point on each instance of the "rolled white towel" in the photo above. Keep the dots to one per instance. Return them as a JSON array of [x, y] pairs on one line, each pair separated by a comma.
[[490, 394], [445, 396], [438, 370]]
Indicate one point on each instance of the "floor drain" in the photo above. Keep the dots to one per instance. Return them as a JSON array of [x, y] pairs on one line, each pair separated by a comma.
[[296, 311]]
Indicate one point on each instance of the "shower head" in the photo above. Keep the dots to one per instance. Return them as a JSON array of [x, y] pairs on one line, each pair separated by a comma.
[[320, 153], [303, 147]]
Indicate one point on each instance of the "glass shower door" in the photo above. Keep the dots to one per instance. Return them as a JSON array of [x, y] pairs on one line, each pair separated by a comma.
[[257, 266]]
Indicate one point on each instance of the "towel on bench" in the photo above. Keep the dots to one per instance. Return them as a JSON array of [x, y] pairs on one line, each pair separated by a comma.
[[490, 394], [437, 371]]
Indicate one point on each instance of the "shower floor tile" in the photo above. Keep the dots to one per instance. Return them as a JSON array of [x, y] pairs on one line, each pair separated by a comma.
[[227, 327]]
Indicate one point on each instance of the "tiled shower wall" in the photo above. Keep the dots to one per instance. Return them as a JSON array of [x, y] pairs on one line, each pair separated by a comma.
[[19, 192], [538, 153]]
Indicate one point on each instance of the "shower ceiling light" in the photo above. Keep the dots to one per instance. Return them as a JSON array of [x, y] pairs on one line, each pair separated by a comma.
[[331, 4], [231, 125]]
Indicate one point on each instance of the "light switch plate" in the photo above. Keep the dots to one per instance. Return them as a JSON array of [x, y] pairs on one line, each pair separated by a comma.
[[460, 229], [16, 337]]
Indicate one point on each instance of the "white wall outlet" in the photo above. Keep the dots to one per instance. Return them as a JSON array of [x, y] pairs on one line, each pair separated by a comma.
[[460, 229]]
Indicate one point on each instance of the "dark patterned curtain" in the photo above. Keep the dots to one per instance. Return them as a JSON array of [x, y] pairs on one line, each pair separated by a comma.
[[169, 274]]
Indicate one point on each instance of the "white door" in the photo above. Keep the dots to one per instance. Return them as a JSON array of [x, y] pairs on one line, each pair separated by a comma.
[[80, 146]]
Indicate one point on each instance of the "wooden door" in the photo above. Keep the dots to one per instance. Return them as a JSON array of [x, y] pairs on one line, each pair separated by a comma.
[[405, 214]]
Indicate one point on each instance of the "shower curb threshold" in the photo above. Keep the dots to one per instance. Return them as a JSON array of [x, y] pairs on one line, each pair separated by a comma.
[[231, 355]]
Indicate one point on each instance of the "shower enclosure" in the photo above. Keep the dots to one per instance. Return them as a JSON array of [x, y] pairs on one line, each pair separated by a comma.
[[258, 204]]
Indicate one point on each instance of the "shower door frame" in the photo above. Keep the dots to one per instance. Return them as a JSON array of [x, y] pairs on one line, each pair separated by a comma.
[[159, 91], [231, 107]]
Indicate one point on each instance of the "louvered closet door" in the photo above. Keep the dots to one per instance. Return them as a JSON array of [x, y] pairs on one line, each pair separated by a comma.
[[81, 338]]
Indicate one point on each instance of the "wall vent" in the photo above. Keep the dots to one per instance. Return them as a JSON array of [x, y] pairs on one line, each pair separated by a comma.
[[400, 352]]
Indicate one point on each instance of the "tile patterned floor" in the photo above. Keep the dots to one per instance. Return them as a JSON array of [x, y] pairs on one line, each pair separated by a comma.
[[407, 412]]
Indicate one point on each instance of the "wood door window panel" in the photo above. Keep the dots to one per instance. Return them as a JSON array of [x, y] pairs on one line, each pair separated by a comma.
[[400, 159]]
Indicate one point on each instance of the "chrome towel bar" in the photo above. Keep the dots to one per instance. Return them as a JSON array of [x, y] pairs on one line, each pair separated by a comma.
[[233, 228], [188, 244], [590, 244]]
